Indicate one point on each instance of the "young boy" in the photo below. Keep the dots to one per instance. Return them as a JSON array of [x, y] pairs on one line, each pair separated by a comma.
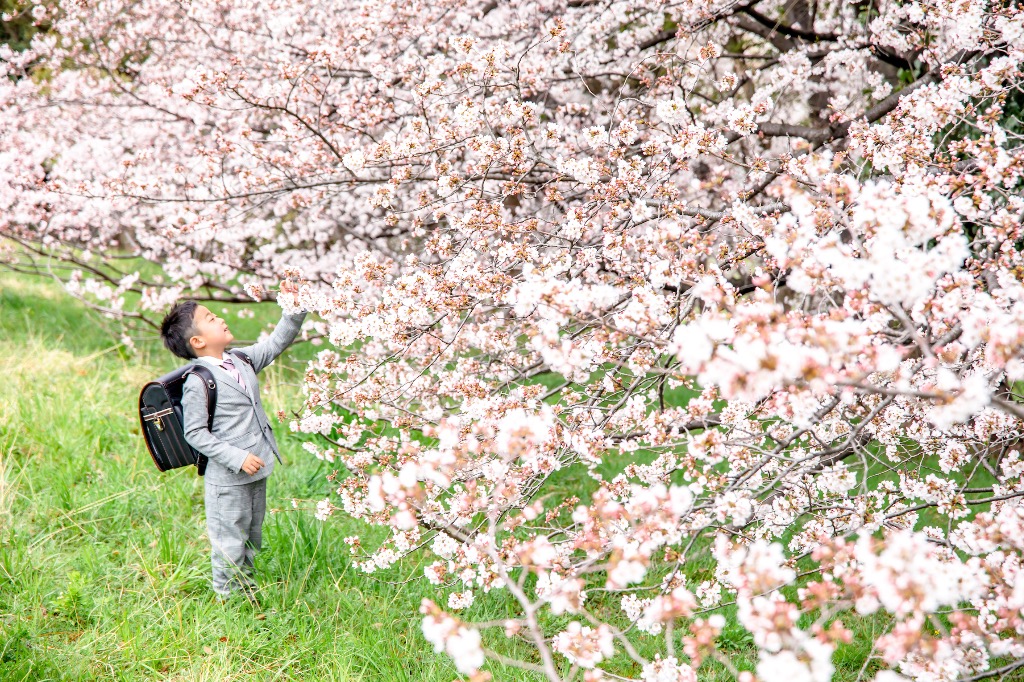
[[241, 443]]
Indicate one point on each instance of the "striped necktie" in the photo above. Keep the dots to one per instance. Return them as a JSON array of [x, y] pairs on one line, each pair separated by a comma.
[[233, 371]]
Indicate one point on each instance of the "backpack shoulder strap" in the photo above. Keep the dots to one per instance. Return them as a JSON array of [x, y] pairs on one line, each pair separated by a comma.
[[245, 357], [210, 384]]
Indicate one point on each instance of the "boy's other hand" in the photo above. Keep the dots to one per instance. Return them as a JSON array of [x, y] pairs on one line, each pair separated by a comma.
[[288, 286], [252, 464]]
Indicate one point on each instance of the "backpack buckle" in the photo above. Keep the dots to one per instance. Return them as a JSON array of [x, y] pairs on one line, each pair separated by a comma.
[[155, 417]]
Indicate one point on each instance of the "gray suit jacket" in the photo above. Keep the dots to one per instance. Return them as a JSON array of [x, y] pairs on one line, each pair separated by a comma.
[[240, 425]]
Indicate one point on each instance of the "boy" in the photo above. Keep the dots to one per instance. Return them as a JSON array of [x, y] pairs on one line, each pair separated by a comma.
[[241, 443]]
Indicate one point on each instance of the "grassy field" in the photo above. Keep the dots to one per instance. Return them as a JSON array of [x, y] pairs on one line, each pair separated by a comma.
[[104, 562]]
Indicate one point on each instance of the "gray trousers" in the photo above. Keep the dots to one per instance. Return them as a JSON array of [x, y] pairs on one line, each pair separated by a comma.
[[234, 522]]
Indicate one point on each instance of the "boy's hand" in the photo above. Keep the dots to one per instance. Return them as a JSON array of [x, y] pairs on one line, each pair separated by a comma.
[[252, 464], [289, 287]]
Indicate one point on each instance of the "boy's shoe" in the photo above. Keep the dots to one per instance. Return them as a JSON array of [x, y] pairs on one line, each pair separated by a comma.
[[250, 596], [246, 593]]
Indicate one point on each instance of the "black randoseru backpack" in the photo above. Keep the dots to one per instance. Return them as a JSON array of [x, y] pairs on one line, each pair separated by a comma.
[[161, 416]]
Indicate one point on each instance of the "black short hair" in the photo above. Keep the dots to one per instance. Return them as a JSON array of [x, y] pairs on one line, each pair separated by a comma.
[[178, 327]]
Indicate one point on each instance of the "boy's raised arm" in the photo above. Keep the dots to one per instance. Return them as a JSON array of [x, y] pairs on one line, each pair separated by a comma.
[[264, 352], [198, 434]]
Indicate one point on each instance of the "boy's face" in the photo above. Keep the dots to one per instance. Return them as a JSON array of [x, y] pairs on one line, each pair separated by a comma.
[[212, 333]]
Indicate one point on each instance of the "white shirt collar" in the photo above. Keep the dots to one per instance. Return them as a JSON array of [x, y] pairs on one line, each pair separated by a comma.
[[212, 360]]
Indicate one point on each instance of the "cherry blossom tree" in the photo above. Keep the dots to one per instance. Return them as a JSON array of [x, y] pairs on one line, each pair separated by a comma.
[[612, 289]]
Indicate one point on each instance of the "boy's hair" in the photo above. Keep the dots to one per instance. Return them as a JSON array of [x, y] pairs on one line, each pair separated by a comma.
[[178, 327]]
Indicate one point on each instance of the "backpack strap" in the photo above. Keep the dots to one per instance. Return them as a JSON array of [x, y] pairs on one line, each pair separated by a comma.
[[210, 384], [245, 357]]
